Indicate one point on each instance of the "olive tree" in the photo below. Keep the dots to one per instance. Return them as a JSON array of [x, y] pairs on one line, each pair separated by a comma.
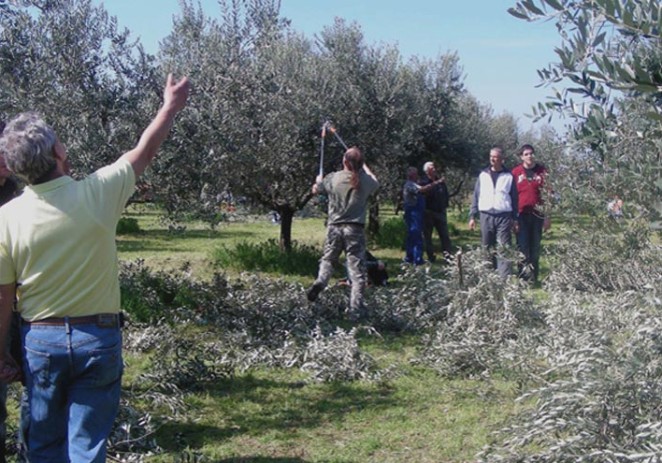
[[610, 64], [69, 61], [399, 113], [260, 100]]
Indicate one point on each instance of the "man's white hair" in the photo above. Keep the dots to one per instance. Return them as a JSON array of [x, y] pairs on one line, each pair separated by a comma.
[[427, 166]]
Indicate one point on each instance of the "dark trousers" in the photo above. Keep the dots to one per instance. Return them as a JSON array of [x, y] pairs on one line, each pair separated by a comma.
[[528, 242], [436, 221], [495, 232]]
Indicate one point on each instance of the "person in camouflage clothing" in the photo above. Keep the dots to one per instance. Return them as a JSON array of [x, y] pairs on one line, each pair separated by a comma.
[[348, 191]]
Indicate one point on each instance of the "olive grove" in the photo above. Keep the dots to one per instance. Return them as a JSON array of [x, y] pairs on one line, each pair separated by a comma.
[[583, 352]]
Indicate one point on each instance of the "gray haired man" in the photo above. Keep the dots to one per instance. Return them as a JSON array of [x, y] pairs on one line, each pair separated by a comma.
[[495, 201], [57, 244]]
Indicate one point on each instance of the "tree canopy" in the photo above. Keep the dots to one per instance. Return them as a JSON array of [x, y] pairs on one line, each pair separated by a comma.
[[611, 68], [261, 94]]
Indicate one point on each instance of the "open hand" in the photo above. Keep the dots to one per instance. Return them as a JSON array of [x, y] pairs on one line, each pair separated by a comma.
[[176, 93]]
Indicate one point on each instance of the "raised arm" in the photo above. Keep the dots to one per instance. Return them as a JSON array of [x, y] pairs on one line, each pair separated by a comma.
[[174, 99], [369, 172]]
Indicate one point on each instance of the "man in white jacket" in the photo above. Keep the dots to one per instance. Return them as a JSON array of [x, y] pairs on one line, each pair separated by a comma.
[[495, 202]]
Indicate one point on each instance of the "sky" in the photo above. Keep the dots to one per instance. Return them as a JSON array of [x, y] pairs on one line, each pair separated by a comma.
[[498, 53]]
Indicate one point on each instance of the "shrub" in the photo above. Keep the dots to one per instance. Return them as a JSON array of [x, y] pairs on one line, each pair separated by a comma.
[[602, 260], [336, 356], [392, 234], [268, 257], [483, 318], [597, 397], [127, 225], [595, 369], [415, 301], [255, 321], [150, 296]]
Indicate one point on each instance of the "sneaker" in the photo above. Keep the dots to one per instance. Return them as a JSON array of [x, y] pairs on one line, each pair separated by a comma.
[[314, 291]]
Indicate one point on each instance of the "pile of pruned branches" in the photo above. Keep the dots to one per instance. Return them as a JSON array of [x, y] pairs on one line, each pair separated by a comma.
[[586, 354], [595, 370]]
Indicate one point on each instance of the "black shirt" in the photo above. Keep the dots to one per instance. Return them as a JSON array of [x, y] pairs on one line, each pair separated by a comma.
[[436, 200]]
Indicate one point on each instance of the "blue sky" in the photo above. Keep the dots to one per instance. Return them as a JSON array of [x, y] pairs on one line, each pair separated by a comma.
[[499, 53]]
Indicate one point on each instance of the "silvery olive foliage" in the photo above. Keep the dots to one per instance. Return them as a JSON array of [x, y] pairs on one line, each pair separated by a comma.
[[598, 398], [132, 437], [88, 78], [247, 322], [197, 333], [608, 83], [595, 367], [616, 255], [483, 318]]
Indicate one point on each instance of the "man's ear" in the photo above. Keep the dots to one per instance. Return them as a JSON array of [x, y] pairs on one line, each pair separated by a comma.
[[59, 151]]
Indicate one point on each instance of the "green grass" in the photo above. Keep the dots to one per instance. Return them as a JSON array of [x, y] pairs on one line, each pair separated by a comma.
[[164, 249], [198, 246], [266, 256], [274, 416]]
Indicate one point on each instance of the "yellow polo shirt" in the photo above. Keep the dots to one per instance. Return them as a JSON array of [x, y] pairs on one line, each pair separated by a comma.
[[57, 241]]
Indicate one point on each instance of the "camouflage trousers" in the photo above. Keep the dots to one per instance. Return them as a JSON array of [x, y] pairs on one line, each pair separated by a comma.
[[351, 239]]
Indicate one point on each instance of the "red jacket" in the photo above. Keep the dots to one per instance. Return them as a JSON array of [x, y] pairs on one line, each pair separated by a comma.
[[529, 188]]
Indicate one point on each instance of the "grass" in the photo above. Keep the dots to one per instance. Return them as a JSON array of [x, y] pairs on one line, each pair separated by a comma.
[[163, 249], [273, 416], [197, 244]]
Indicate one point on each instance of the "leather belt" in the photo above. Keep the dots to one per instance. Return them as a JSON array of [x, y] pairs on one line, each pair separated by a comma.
[[102, 320]]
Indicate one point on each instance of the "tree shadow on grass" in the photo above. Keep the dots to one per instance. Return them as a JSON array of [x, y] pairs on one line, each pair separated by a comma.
[[257, 459], [268, 405], [138, 241], [260, 459]]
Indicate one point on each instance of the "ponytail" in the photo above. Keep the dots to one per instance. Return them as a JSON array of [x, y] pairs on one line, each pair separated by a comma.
[[354, 161]]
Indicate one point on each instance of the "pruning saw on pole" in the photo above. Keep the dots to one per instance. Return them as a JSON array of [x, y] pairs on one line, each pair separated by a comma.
[[321, 174], [333, 130]]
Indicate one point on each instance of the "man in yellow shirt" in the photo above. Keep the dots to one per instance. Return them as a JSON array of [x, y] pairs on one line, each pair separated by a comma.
[[8, 190], [57, 244]]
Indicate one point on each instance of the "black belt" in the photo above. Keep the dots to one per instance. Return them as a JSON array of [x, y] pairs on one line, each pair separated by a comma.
[[102, 320]]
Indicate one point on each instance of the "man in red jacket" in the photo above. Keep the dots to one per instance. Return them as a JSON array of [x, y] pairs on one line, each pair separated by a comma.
[[530, 178]]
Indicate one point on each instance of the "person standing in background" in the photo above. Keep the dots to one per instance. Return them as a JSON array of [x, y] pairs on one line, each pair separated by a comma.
[[530, 179], [436, 204], [495, 202]]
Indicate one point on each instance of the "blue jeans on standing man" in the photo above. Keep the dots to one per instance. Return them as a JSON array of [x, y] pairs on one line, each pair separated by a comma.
[[414, 241], [73, 376]]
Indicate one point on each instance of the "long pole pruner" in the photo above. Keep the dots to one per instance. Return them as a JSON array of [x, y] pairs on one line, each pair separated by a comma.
[[333, 130], [321, 173], [328, 126]]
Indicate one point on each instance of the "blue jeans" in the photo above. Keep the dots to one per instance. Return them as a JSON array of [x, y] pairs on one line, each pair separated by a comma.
[[73, 377], [414, 242]]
